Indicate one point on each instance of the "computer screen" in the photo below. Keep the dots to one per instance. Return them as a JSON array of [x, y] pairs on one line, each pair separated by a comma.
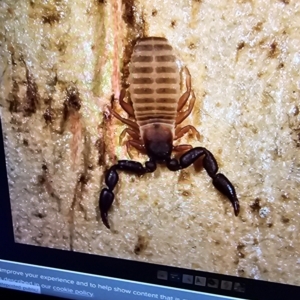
[[150, 149]]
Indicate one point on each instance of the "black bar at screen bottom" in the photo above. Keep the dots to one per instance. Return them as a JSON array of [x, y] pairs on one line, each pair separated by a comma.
[[155, 274]]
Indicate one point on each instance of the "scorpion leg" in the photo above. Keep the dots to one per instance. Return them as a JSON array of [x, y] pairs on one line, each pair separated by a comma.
[[126, 106], [137, 145], [180, 132], [182, 148], [111, 179], [132, 132], [184, 114], [220, 181], [184, 98], [128, 122]]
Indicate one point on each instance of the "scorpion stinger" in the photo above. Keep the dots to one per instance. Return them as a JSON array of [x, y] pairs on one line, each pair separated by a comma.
[[158, 110]]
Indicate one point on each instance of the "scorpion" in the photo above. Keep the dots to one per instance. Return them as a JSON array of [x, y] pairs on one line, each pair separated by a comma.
[[157, 109]]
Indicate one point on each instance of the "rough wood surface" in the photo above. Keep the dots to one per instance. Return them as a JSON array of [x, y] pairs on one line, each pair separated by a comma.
[[61, 64]]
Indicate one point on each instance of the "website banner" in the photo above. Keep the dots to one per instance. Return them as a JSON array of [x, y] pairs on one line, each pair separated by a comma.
[[77, 285]]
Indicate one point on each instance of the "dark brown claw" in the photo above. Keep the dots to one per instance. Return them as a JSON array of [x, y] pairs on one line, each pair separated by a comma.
[[105, 220], [222, 184], [105, 202], [236, 207], [220, 181], [111, 179]]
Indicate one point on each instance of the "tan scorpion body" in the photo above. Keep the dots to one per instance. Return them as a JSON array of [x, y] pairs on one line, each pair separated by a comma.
[[157, 109], [154, 83], [155, 94]]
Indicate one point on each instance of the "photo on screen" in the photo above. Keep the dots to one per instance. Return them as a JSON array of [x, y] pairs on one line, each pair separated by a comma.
[[77, 84]]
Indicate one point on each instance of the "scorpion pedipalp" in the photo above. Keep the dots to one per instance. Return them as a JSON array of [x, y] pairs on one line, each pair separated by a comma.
[[111, 179]]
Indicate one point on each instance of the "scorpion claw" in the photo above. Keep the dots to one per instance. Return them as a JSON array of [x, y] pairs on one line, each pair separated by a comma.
[[104, 220], [105, 202], [236, 207], [226, 188]]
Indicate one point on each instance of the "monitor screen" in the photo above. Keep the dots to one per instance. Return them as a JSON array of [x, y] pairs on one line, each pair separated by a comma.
[[150, 149]]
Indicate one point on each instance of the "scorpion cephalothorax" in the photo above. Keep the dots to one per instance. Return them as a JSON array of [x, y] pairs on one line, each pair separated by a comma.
[[157, 109]]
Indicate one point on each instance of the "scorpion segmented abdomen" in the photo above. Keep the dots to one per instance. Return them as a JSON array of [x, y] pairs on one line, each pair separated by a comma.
[[154, 82]]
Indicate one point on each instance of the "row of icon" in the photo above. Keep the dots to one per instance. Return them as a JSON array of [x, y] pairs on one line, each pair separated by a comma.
[[202, 281]]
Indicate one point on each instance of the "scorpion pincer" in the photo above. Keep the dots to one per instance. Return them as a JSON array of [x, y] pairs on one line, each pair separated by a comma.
[[158, 111]]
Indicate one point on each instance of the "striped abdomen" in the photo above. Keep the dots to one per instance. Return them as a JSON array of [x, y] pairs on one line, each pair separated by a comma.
[[154, 82]]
